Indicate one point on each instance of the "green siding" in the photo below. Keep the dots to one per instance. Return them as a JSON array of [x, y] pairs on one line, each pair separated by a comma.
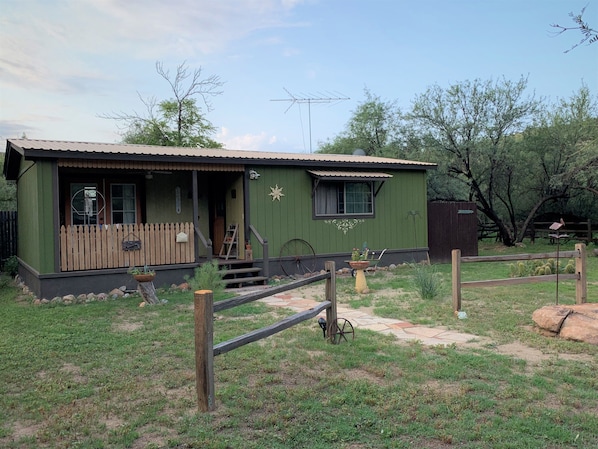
[[35, 205], [393, 226], [160, 194]]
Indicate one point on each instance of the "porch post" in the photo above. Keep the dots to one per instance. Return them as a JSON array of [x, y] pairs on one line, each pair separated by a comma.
[[194, 187], [246, 211], [56, 215]]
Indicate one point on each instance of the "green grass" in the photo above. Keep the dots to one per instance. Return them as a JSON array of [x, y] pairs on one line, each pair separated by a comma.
[[114, 375]]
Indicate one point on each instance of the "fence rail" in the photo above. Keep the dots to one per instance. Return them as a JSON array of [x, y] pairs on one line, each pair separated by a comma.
[[204, 309], [580, 276], [120, 246], [581, 231]]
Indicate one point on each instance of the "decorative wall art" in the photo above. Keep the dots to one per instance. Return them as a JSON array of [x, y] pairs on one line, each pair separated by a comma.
[[276, 193], [345, 224]]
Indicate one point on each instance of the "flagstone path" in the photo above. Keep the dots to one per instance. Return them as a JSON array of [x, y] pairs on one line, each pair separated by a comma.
[[402, 330]]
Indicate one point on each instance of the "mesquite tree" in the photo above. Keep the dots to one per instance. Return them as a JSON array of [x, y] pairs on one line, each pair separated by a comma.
[[470, 126], [179, 121]]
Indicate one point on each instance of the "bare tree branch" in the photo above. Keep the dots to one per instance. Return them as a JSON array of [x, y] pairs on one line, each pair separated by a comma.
[[207, 87], [589, 34]]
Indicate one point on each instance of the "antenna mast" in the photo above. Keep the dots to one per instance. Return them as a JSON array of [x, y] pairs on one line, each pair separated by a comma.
[[309, 99]]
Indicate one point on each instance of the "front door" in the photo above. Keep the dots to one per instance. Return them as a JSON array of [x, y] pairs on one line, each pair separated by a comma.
[[218, 220]]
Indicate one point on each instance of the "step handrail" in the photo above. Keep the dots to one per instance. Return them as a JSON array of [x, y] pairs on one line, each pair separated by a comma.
[[264, 242], [207, 243]]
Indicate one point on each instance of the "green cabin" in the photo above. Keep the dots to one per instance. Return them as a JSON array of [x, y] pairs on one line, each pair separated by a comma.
[[88, 212]]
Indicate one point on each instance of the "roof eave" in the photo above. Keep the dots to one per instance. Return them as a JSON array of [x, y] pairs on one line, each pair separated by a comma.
[[31, 154]]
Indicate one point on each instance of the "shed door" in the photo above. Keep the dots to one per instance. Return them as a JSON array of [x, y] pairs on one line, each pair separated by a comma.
[[452, 226]]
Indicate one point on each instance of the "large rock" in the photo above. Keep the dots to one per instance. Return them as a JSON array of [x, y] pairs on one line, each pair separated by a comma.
[[578, 322]]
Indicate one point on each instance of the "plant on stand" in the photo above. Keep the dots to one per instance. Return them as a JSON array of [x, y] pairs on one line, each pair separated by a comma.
[[145, 285], [359, 259], [142, 274], [359, 262]]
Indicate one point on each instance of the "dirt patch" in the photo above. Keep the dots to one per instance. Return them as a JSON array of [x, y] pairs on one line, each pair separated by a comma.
[[127, 326], [535, 356]]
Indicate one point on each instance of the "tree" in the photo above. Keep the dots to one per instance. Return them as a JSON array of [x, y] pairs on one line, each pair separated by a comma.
[[178, 121], [589, 34], [565, 141], [470, 127], [8, 193], [373, 128]]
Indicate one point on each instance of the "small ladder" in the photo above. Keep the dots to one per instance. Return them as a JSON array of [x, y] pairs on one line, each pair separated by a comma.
[[230, 242]]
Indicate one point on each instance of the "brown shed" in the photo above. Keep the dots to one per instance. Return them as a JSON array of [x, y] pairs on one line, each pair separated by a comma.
[[452, 225]]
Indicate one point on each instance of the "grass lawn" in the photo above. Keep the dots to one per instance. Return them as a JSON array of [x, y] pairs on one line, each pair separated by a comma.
[[114, 375]]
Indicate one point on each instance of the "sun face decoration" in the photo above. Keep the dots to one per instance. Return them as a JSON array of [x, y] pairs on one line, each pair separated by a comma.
[[276, 193]]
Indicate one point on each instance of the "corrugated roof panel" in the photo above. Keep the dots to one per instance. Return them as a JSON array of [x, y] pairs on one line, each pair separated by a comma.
[[328, 174], [91, 148]]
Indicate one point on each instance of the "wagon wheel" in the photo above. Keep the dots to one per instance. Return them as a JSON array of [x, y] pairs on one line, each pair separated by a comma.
[[297, 257], [339, 329]]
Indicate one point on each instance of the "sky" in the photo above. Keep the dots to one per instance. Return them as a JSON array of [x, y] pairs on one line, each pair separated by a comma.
[[66, 63]]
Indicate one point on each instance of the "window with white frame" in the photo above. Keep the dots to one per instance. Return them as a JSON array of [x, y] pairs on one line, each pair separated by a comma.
[[123, 203], [338, 198]]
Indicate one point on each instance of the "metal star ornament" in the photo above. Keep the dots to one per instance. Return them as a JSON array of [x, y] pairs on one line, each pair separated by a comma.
[[276, 193]]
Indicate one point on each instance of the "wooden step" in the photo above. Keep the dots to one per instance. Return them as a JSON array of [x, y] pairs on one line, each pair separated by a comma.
[[234, 271], [246, 280]]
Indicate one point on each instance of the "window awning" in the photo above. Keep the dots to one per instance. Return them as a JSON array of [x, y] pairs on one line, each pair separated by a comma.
[[334, 175], [349, 175]]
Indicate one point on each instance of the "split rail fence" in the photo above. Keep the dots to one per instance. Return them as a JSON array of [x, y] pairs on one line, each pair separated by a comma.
[[204, 308], [580, 275]]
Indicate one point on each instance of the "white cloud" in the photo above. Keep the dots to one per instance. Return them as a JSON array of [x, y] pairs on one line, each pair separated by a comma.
[[47, 45], [250, 142]]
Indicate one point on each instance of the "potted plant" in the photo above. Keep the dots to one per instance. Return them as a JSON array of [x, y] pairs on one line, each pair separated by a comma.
[[142, 274], [359, 259]]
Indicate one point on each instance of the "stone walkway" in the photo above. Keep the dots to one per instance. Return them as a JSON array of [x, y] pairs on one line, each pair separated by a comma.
[[402, 330]]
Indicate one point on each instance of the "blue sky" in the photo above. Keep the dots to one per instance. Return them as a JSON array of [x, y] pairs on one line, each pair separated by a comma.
[[64, 63]]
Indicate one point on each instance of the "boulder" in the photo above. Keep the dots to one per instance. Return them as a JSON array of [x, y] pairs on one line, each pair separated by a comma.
[[551, 318], [578, 322], [116, 293]]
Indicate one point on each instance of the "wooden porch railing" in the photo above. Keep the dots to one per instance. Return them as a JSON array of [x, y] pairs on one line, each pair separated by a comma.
[[121, 246]]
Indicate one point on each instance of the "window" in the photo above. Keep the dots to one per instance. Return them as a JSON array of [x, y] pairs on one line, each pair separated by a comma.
[[344, 198], [123, 203]]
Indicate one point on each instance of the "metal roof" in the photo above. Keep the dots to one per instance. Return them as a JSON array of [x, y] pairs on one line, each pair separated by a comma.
[[55, 149], [329, 174]]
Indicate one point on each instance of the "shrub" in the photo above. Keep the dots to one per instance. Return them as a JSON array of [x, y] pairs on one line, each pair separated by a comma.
[[11, 266], [426, 280], [207, 277]]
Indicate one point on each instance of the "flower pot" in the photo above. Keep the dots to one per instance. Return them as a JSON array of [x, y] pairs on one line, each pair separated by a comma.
[[359, 264], [144, 277]]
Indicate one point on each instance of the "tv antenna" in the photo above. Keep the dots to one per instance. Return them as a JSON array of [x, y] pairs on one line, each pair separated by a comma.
[[310, 99]]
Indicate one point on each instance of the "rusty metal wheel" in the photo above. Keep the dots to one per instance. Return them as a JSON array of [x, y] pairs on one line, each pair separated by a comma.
[[297, 258], [339, 330]]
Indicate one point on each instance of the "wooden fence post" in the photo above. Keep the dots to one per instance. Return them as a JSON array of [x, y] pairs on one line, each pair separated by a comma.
[[204, 349], [456, 279], [581, 284], [331, 316]]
